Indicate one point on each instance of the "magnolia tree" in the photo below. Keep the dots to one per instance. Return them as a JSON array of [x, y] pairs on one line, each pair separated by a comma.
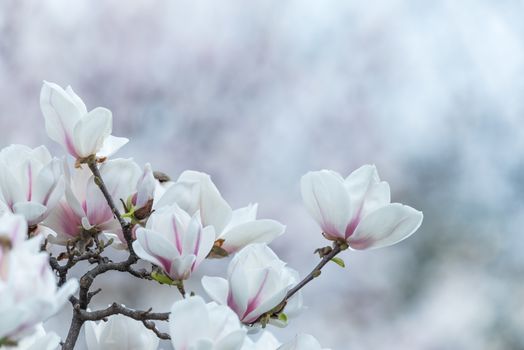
[[174, 227]]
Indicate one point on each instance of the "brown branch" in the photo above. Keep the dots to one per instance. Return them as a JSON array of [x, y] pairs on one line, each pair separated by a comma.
[[317, 270]]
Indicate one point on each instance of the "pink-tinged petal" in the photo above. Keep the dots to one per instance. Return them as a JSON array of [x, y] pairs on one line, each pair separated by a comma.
[[386, 226], [268, 296], [181, 267], [32, 211], [258, 231], [217, 288], [111, 145], [60, 114], [366, 191], [50, 184], [327, 201], [64, 221], [202, 249], [91, 131], [145, 187], [151, 246]]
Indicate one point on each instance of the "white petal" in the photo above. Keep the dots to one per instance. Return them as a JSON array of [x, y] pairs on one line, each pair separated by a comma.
[[217, 288], [92, 333], [385, 226], [366, 191], [91, 131], [111, 145], [232, 341], [326, 199], [185, 194], [188, 322], [80, 105], [61, 115], [258, 231], [302, 342], [214, 210], [33, 212]]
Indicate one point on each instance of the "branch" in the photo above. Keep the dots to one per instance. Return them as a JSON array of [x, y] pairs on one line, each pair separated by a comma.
[[115, 309], [317, 270]]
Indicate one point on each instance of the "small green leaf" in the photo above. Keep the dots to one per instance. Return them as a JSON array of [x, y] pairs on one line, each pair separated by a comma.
[[282, 317], [338, 261], [161, 278]]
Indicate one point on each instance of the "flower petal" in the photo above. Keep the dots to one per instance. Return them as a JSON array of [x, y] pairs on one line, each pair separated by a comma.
[[258, 231], [217, 288], [386, 226], [91, 131], [366, 191], [61, 115], [111, 145], [326, 199]]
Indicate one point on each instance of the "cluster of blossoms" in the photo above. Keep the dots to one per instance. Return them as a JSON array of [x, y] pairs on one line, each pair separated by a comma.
[[176, 226]]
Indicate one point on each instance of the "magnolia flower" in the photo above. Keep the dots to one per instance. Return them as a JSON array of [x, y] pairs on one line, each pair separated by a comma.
[[119, 333], [28, 289], [257, 282], [357, 209], [80, 132], [302, 342], [84, 206], [195, 325], [31, 182], [195, 192], [266, 341], [39, 340], [174, 241]]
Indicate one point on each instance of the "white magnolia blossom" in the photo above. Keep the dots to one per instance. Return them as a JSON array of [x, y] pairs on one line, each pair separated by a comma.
[[84, 206], [80, 132], [266, 341], [302, 342], [31, 181], [257, 282], [357, 209], [174, 241], [28, 288], [195, 192], [195, 325], [39, 340], [119, 333]]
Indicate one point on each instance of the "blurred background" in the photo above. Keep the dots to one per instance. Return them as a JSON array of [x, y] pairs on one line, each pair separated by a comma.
[[257, 93]]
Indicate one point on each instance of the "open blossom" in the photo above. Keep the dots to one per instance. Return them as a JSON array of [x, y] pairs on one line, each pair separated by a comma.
[[28, 288], [357, 209], [257, 282], [174, 241], [119, 333], [302, 342], [31, 181], [39, 340], [195, 325], [195, 192], [84, 206], [80, 132]]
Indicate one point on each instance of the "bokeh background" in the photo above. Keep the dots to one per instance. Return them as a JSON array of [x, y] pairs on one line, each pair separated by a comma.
[[257, 93]]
